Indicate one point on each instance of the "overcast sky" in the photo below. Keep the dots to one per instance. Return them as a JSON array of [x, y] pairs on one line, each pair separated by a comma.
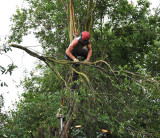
[[24, 62]]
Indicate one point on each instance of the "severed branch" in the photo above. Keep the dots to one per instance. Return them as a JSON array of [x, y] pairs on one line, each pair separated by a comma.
[[28, 51], [43, 58], [47, 60]]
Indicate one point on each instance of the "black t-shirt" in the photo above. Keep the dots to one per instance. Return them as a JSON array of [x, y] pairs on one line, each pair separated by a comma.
[[80, 45]]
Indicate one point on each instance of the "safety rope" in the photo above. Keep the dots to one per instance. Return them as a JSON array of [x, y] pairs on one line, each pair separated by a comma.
[[65, 130]]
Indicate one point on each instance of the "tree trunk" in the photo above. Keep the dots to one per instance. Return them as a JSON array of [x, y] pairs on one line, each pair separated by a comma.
[[90, 15], [69, 123]]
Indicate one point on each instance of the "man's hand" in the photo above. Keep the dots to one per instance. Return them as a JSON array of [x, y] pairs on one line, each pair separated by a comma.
[[86, 60], [76, 60]]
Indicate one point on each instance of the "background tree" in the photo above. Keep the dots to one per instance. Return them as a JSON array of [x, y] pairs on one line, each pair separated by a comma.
[[4, 70], [119, 93]]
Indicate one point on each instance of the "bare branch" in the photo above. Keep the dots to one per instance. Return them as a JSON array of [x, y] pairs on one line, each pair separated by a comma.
[[28, 51]]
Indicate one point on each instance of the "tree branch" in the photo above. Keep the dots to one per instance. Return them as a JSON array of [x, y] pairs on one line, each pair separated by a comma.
[[28, 51]]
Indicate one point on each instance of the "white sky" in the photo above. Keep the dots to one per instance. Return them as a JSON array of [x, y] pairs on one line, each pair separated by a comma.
[[20, 58]]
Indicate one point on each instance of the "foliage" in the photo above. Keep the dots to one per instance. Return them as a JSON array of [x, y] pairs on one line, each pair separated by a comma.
[[10, 67], [37, 106], [118, 92]]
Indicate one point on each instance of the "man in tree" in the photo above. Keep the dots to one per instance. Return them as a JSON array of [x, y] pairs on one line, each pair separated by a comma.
[[76, 48]]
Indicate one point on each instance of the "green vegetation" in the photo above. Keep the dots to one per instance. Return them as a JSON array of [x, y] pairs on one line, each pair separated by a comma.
[[119, 90]]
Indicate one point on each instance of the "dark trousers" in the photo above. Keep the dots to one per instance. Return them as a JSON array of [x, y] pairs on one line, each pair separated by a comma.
[[82, 53]]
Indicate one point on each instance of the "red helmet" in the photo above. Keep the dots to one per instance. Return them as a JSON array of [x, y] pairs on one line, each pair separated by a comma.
[[85, 35]]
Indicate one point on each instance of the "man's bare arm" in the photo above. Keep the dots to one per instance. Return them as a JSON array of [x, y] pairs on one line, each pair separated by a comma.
[[70, 48], [89, 52]]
